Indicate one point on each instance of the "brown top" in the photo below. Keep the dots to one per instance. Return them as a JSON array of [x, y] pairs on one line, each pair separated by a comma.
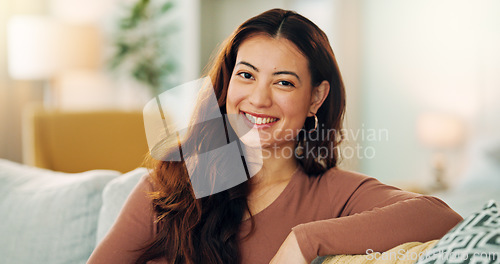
[[339, 213]]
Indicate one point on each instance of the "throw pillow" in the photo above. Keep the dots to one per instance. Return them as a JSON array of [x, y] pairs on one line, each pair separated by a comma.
[[47, 216], [114, 196], [406, 253], [474, 240]]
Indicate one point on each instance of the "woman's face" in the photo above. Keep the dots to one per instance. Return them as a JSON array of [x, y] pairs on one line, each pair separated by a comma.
[[270, 92]]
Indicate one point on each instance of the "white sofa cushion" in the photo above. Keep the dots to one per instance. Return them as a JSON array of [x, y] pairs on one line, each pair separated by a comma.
[[49, 217]]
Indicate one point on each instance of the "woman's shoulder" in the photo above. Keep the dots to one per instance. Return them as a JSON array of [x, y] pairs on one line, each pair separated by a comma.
[[335, 181], [139, 193], [345, 177], [147, 183]]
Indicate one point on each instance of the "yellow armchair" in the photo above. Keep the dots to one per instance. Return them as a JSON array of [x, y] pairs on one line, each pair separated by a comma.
[[77, 141]]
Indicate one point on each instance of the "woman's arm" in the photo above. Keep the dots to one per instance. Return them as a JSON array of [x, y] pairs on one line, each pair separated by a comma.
[[377, 217], [132, 230]]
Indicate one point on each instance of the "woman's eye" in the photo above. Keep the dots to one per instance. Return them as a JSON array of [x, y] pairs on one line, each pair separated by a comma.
[[286, 83], [245, 75]]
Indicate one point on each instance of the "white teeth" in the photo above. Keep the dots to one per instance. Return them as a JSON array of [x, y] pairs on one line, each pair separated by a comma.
[[259, 120], [250, 118]]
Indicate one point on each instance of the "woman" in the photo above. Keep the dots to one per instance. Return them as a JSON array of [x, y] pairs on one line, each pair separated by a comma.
[[277, 76]]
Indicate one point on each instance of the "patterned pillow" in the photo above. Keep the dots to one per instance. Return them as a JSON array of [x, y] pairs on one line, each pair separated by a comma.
[[474, 240]]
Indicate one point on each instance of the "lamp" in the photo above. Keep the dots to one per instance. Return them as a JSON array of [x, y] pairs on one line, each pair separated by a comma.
[[439, 132], [40, 48]]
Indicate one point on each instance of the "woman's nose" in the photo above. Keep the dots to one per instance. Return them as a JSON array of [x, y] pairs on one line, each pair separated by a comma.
[[261, 95]]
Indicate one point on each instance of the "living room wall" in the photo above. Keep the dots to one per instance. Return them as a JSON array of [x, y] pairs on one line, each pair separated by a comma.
[[427, 56]]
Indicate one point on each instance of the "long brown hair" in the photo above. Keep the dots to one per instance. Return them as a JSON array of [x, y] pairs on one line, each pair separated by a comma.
[[205, 230]]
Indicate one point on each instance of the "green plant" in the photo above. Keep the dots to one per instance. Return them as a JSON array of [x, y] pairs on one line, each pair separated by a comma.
[[142, 41]]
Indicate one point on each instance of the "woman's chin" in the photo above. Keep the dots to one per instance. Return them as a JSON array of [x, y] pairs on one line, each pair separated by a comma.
[[251, 140]]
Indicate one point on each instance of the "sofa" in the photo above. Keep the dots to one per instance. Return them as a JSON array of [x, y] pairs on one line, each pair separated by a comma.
[[56, 217]]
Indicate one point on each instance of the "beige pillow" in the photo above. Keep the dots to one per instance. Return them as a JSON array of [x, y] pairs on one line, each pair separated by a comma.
[[403, 254]]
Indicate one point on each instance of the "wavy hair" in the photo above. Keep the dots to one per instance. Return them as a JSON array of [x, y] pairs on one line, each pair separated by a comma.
[[205, 230]]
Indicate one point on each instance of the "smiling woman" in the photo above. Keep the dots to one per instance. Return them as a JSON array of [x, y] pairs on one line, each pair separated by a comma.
[[274, 76], [271, 81]]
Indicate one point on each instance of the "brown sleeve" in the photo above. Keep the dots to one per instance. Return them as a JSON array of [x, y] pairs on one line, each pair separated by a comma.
[[131, 231], [373, 216]]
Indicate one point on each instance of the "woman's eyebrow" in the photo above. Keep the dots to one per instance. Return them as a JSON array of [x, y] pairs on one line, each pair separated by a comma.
[[287, 72], [275, 73], [248, 64]]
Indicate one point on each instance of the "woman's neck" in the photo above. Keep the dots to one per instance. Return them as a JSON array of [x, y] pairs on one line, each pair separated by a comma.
[[275, 169], [269, 182]]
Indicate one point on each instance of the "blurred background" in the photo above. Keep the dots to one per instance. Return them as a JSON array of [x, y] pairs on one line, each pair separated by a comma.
[[422, 77]]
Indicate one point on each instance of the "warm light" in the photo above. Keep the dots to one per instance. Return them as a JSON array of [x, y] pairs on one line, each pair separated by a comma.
[[33, 43], [440, 131], [40, 47]]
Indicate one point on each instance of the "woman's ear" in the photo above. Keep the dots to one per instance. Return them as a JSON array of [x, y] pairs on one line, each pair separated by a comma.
[[319, 95]]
